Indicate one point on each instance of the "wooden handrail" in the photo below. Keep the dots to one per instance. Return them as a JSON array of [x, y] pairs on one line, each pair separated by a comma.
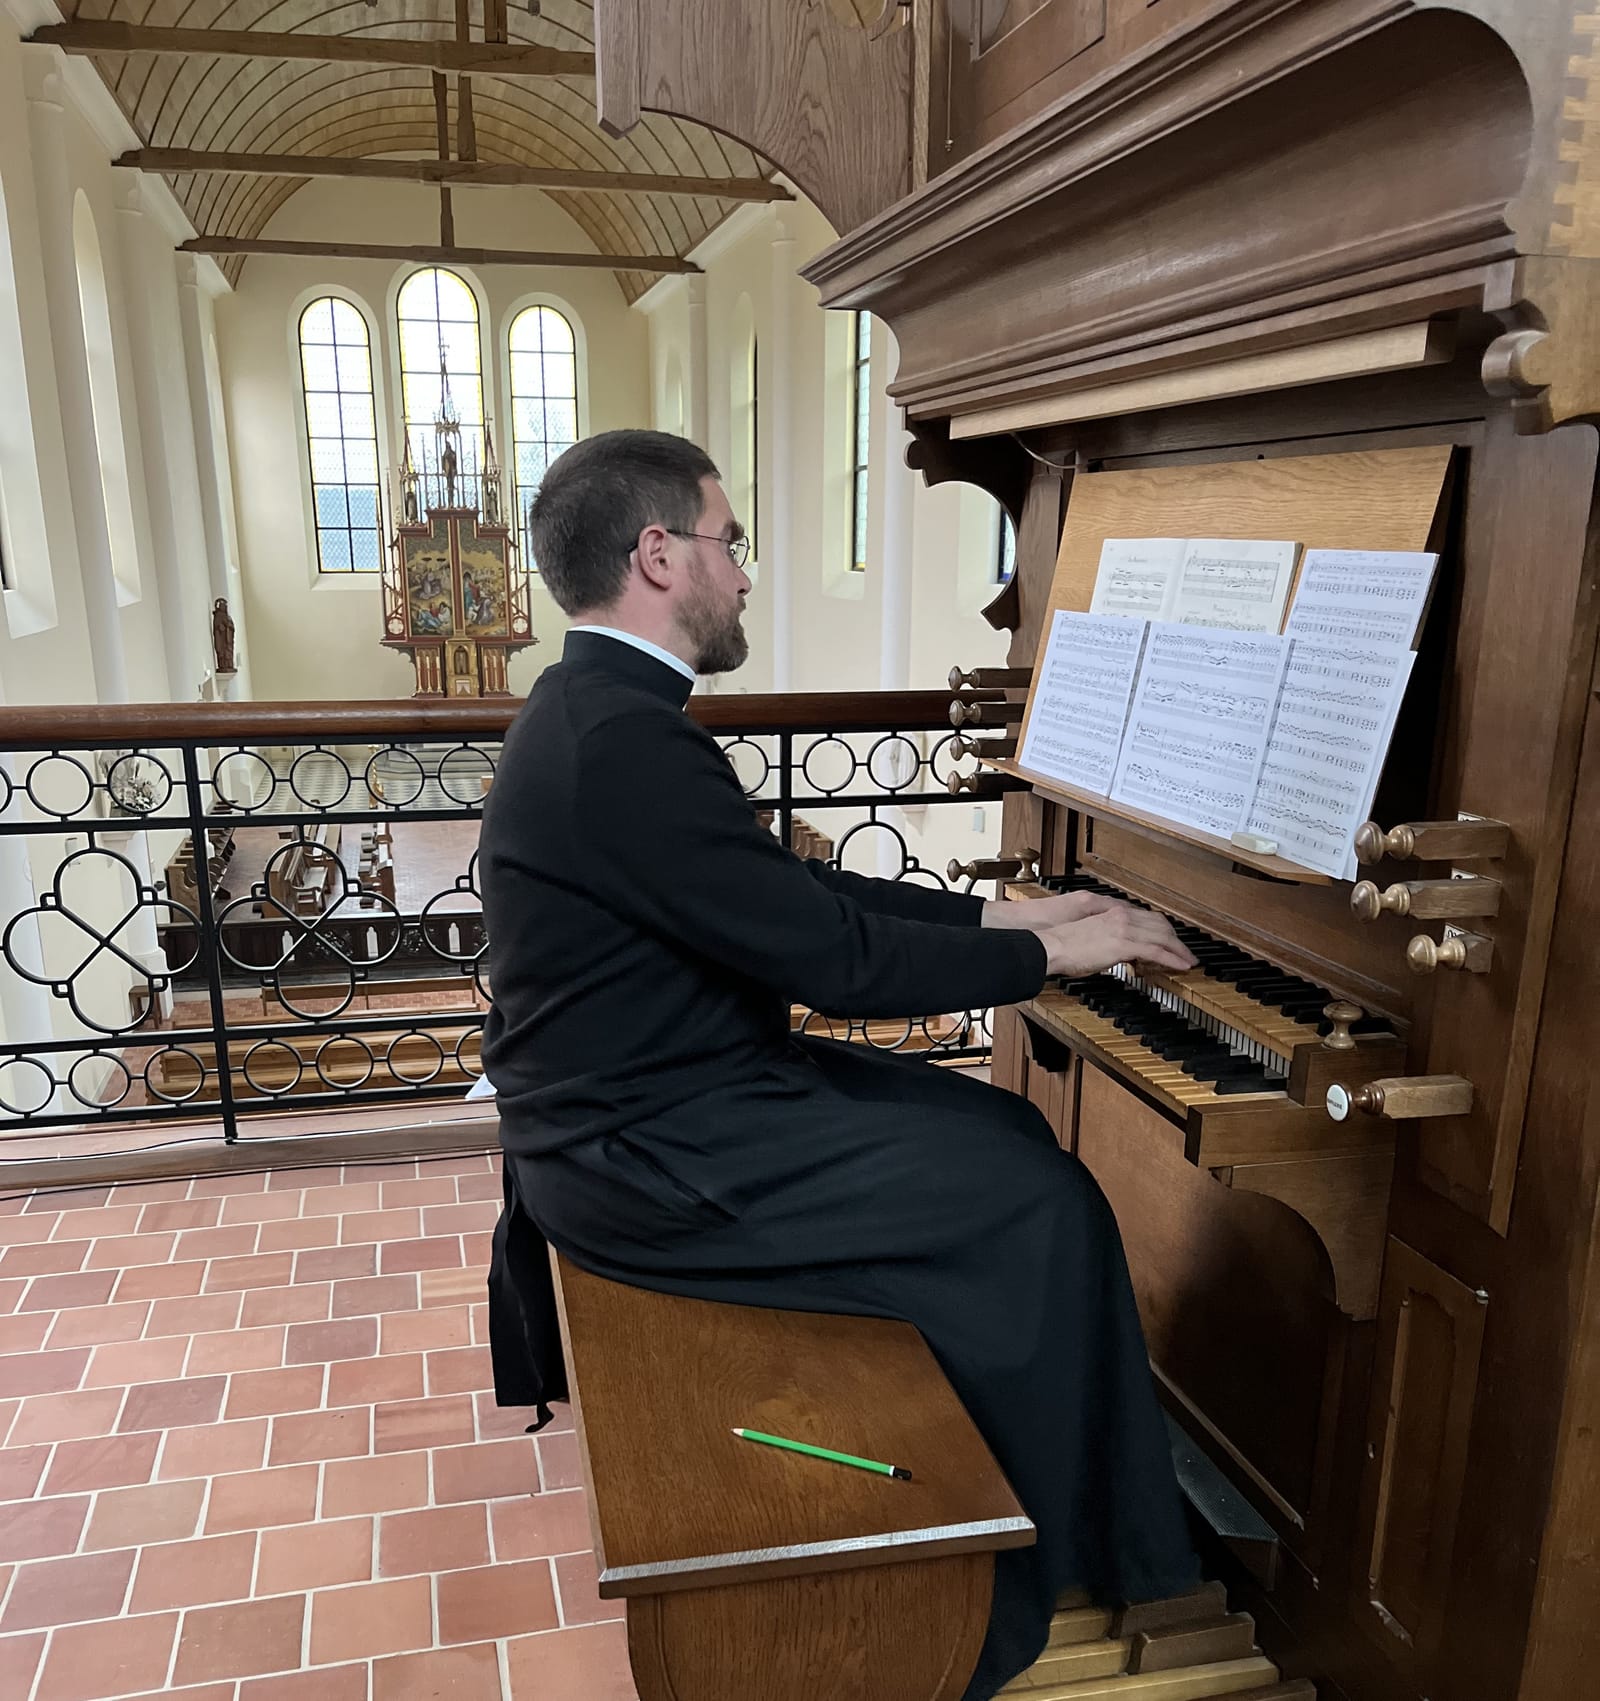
[[150, 725]]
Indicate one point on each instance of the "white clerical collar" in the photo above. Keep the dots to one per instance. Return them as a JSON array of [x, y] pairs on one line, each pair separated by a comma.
[[661, 655]]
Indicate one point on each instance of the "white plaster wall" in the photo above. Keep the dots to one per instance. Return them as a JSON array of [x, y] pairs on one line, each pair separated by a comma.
[[316, 635]]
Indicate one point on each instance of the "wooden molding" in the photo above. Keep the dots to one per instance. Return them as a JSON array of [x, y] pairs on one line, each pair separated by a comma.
[[443, 255], [457, 173], [499, 59]]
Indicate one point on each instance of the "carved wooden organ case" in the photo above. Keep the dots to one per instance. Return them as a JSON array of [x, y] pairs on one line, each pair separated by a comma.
[[1172, 235]]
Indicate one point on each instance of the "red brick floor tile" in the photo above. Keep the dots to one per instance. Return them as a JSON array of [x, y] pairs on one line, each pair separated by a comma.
[[305, 1304], [175, 1214], [406, 1424], [535, 1525], [44, 1258], [577, 1583], [590, 1662], [149, 1192], [451, 1287], [42, 1373], [20, 1471], [226, 1184], [434, 1190], [173, 1405], [303, 1437], [426, 1331], [439, 1538], [240, 1640], [159, 1512], [120, 1363], [68, 1591], [296, 1234], [160, 1281], [201, 1692], [123, 1251], [116, 1656], [194, 1316], [53, 1200], [351, 1337], [19, 1660], [95, 1325], [403, 1170], [400, 1256], [230, 1241], [257, 1500], [559, 1463], [488, 1470], [66, 1417], [370, 1619], [314, 1556], [370, 1381], [260, 1207], [64, 1293], [335, 1200], [324, 1683], [362, 1226], [98, 1220], [479, 1249], [214, 1449], [374, 1295], [24, 1332], [496, 1600], [265, 1270], [109, 1461], [265, 1393], [501, 1423], [335, 1263], [41, 1529], [471, 1188], [237, 1349], [461, 1674], [459, 1370], [476, 1218], [25, 1230], [194, 1573], [391, 1482]]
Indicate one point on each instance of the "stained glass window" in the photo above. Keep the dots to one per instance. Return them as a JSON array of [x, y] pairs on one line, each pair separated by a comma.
[[860, 434], [342, 435], [438, 315], [544, 404]]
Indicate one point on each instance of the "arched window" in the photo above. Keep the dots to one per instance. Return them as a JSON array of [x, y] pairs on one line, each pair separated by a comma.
[[860, 433], [341, 435], [743, 466], [544, 404], [438, 316], [105, 403]]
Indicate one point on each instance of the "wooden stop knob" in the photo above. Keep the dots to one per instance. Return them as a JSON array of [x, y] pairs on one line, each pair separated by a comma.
[[1424, 955], [1341, 1015], [1402, 1098]]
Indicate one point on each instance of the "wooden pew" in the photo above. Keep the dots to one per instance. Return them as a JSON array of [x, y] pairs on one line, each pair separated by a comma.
[[750, 1572]]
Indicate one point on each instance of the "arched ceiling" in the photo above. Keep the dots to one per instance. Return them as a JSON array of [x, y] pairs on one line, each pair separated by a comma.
[[250, 105]]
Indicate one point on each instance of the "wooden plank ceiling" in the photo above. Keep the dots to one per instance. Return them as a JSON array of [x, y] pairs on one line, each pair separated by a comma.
[[286, 106]]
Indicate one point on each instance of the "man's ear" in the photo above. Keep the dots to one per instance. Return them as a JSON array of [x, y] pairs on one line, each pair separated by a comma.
[[651, 554]]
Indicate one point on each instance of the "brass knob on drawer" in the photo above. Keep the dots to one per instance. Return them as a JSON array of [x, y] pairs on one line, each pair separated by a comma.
[[989, 678], [992, 748], [963, 713], [1402, 1098], [990, 868], [1461, 951], [1426, 899], [1433, 841]]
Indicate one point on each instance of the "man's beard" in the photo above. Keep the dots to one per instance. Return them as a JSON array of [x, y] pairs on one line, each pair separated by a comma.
[[716, 632]]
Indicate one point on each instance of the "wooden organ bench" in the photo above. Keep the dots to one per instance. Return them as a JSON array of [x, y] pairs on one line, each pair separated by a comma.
[[753, 1573]]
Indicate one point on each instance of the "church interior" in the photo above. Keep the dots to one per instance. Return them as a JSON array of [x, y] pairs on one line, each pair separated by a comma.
[[1161, 431]]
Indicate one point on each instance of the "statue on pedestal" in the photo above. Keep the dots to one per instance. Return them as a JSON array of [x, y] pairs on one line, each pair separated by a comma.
[[222, 637]]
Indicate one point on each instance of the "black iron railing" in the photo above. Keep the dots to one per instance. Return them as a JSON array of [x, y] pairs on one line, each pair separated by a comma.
[[231, 909]]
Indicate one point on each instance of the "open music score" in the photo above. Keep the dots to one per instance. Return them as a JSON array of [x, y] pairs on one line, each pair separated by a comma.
[[1240, 584], [1224, 732]]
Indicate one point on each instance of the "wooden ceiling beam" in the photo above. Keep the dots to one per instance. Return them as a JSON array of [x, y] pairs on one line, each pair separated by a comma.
[[436, 256], [459, 173], [497, 59]]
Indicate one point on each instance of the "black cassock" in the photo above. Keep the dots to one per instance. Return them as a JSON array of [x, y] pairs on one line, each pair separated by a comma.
[[663, 1127]]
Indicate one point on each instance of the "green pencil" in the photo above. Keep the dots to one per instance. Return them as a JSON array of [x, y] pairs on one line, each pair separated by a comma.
[[825, 1453]]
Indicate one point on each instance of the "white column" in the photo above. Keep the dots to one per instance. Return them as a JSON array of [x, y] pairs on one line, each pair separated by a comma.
[[164, 472], [698, 411], [894, 654], [777, 414], [47, 133], [24, 1007]]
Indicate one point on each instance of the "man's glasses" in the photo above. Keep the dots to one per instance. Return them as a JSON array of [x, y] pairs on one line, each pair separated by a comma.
[[738, 548]]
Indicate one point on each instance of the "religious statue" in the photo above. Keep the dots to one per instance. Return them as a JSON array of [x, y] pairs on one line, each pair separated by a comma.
[[222, 636], [491, 501], [447, 465], [412, 516]]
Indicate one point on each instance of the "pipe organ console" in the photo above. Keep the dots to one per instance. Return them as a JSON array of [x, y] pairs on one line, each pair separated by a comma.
[[1173, 267]]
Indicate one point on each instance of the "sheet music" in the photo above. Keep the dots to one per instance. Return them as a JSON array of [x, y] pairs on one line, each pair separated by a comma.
[[1335, 715], [1361, 596], [1239, 584], [1199, 725], [1080, 701], [1137, 576]]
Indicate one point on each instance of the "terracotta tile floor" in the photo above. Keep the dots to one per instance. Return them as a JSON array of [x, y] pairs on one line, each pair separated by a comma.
[[249, 1452]]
